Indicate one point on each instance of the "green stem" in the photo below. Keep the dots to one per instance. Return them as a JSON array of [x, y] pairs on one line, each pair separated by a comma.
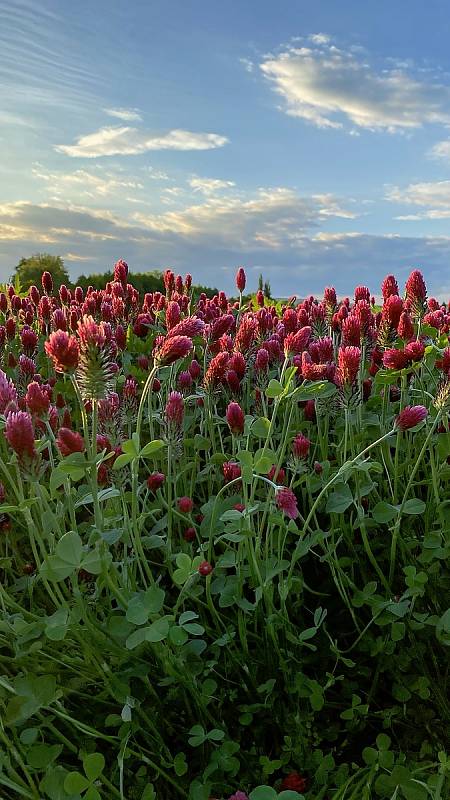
[[93, 456], [330, 483], [413, 474]]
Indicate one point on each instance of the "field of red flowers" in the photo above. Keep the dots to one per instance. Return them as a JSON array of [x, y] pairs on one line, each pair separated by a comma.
[[224, 544]]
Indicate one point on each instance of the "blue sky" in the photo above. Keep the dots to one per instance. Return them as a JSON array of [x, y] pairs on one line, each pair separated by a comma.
[[307, 141]]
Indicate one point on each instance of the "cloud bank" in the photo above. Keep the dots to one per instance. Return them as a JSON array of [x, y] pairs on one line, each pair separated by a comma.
[[275, 232]]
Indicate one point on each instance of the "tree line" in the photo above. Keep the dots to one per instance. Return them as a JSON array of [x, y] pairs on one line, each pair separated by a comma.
[[28, 272]]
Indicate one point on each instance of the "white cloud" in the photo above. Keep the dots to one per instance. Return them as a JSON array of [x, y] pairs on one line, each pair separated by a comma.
[[138, 201], [431, 193], [433, 196], [335, 238], [130, 141], [209, 186], [432, 213], [319, 38], [441, 150], [328, 87], [126, 114], [329, 206], [175, 191]]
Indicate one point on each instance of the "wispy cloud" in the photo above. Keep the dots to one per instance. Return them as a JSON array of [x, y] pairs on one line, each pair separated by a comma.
[[126, 114], [209, 186], [77, 257], [16, 120], [40, 59], [82, 183], [157, 174], [247, 64], [329, 87], [131, 141]]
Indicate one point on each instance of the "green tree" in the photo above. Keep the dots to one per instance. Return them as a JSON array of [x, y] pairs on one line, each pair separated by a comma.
[[29, 270], [260, 283], [142, 281], [97, 280], [210, 291], [267, 290]]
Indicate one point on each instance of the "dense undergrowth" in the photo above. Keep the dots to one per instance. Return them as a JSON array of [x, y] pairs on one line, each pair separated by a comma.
[[224, 545]]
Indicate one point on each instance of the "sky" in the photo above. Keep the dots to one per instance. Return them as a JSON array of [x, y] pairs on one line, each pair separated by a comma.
[[307, 141]]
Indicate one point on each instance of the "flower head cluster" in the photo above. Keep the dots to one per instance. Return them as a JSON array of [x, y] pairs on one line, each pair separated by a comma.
[[69, 441], [173, 419], [287, 502], [231, 471], [349, 359], [294, 782], [300, 447], [175, 409], [216, 372], [172, 349], [240, 279], [235, 419], [64, 351], [296, 343], [416, 293], [155, 481], [410, 416], [19, 434], [96, 367], [8, 394], [37, 399]]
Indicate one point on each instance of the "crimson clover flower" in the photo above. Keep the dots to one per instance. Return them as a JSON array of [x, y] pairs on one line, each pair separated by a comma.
[[286, 501], [410, 417]]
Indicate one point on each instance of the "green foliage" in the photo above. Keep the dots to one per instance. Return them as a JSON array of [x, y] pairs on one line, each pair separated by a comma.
[[151, 281]]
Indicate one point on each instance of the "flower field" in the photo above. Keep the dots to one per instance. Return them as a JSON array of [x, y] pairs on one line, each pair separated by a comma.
[[224, 544]]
